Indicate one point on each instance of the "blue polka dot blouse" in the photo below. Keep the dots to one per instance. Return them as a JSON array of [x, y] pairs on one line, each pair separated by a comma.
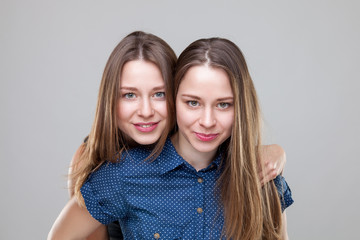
[[161, 199]]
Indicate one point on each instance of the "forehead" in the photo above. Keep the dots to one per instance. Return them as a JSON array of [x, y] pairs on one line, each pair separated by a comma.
[[207, 80], [139, 72]]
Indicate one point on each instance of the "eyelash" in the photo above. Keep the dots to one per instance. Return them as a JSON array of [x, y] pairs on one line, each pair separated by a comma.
[[193, 103], [126, 95], [189, 103], [163, 95], [131, 95], [227, 105]]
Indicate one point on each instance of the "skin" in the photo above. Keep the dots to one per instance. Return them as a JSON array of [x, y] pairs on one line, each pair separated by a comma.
[[198, 111], [100, 233], [141, 107], [205, 120], [272, 168], [141, 104], [74, 222]]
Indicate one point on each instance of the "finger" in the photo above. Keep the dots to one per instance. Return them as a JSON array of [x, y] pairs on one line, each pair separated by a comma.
[[281, 168], [261, 175], [265, 180], [270, 175], [263, 172], [273, 174], [274, 166]]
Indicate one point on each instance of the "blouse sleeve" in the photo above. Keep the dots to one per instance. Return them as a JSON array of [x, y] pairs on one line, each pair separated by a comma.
[[284, 192], [102, 194]]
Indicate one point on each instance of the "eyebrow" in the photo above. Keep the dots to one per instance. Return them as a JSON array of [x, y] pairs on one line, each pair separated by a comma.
[[190, 96], [135, 89], [159, 88], [226, 98], [197, 98], [128, 88]]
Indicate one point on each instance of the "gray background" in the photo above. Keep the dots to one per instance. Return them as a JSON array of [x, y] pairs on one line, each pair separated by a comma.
[[303, 57]]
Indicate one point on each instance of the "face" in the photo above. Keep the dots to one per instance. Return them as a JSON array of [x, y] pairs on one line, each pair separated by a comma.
[[141, 109], [204, 109]]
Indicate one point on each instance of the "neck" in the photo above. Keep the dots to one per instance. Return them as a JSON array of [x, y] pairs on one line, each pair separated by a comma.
[[198, 160]]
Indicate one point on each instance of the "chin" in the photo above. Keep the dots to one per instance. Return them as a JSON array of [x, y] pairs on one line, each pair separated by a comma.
[[205, 147], [146, 140]]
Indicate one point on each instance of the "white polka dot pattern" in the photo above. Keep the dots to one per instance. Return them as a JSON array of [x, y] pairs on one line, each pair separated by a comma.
[[161, 199]]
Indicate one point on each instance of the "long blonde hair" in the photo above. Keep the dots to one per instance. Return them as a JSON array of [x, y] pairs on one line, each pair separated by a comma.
[[105, 141], [250, 211]]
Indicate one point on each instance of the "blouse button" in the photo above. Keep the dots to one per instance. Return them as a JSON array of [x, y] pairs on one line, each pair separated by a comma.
[[199, 210], [200, 180], [156, 236]]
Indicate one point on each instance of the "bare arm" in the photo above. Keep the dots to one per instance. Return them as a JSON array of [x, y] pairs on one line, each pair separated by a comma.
[[101, 232], [74, 222], [274, 158], [75, 161]]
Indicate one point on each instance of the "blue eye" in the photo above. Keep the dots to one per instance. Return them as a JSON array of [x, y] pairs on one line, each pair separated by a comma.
[[129, 95], [193, 103], [223, 105], [159, 95]]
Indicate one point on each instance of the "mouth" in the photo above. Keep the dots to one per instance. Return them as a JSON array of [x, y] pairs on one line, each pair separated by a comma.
[[146, 127], [206, 137]]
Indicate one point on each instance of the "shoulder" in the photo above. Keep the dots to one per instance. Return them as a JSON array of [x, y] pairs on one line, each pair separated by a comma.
[[129, 163], [75, 164], [135, 162], [75, 161]]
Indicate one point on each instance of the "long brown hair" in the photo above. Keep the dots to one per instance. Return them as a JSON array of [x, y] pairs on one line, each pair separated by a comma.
[[105, 141], [250, 211]]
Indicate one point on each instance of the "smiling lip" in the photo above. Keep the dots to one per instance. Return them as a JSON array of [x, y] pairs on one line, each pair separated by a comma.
[[146, 127], [206, 137]]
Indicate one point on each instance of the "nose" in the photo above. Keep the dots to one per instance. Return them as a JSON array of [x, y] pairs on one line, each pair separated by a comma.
[[146, 109], [207, 118]]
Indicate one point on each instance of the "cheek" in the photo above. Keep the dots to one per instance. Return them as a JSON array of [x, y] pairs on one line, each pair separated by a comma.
[[227, 122], [182, 115], [161, 108], [124, 111]]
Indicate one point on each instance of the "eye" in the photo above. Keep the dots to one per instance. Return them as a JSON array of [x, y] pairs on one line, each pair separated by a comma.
[[193, 103], [159, 95], [129, 95], [223, 105]]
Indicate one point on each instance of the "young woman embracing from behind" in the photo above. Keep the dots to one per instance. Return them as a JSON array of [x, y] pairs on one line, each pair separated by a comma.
[[108, 138], [145, 63]]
